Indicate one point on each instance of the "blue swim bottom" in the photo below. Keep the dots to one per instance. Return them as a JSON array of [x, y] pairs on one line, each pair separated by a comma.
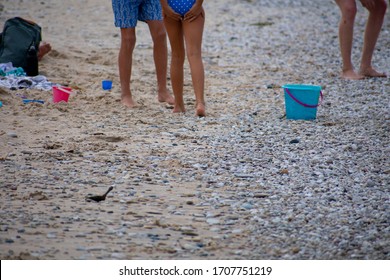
[[128, 12], [181, 6]]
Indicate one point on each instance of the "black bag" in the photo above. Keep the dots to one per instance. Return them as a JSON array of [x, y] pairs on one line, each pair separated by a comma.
[[19, 41]]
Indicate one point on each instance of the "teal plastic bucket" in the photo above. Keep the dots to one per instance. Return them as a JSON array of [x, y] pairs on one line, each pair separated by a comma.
[[301, 101]]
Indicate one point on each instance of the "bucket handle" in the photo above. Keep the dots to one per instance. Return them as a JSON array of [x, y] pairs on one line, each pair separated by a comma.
[[304, 104], [64, 90]]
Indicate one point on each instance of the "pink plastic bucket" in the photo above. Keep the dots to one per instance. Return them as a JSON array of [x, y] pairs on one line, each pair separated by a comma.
[[61, 94]]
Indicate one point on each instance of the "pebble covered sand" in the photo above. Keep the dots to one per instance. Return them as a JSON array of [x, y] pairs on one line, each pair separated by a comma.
[[242, 183]]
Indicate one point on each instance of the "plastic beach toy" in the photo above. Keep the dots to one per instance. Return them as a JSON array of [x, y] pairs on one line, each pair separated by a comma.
[[302, 101], [106, 84], [26, 101], [61, 94]]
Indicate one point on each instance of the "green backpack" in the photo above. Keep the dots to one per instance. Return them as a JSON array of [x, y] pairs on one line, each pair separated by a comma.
[[17, 38]]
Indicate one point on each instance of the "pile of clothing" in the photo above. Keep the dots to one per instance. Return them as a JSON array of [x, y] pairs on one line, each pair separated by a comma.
[[15, 78]]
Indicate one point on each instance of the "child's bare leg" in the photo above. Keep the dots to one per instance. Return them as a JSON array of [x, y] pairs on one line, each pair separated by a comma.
[[160, 54], [177, 79], [373, 27], [193, 32], [175, 34], [125, 62], [348, 12], [44, 48]]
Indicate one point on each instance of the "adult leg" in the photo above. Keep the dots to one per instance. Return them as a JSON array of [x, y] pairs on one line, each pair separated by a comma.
[[371, 34], [193, 33], [125, 60], [160, 54], [175, 34], [348, 12]]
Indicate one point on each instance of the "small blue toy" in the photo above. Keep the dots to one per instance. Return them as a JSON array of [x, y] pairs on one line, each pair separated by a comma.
[[25, 101]]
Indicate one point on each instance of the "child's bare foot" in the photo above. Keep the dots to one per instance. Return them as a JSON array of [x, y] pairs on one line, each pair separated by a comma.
[[200, 110], [371, 72], [128, 101], [165, 96], [178, 109], [44, 48], [351, 75]]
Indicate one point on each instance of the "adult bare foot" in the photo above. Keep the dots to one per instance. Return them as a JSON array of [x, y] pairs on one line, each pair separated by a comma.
[[351, 75], [371, 72], [128, 101], [200, 110], [165, 96], [44, 48]]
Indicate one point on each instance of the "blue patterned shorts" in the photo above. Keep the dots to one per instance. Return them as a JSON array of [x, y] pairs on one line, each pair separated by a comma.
[[181, 6], [128, 12]]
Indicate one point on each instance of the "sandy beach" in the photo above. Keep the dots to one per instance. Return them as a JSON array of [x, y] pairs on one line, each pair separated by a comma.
[[242, 183]]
